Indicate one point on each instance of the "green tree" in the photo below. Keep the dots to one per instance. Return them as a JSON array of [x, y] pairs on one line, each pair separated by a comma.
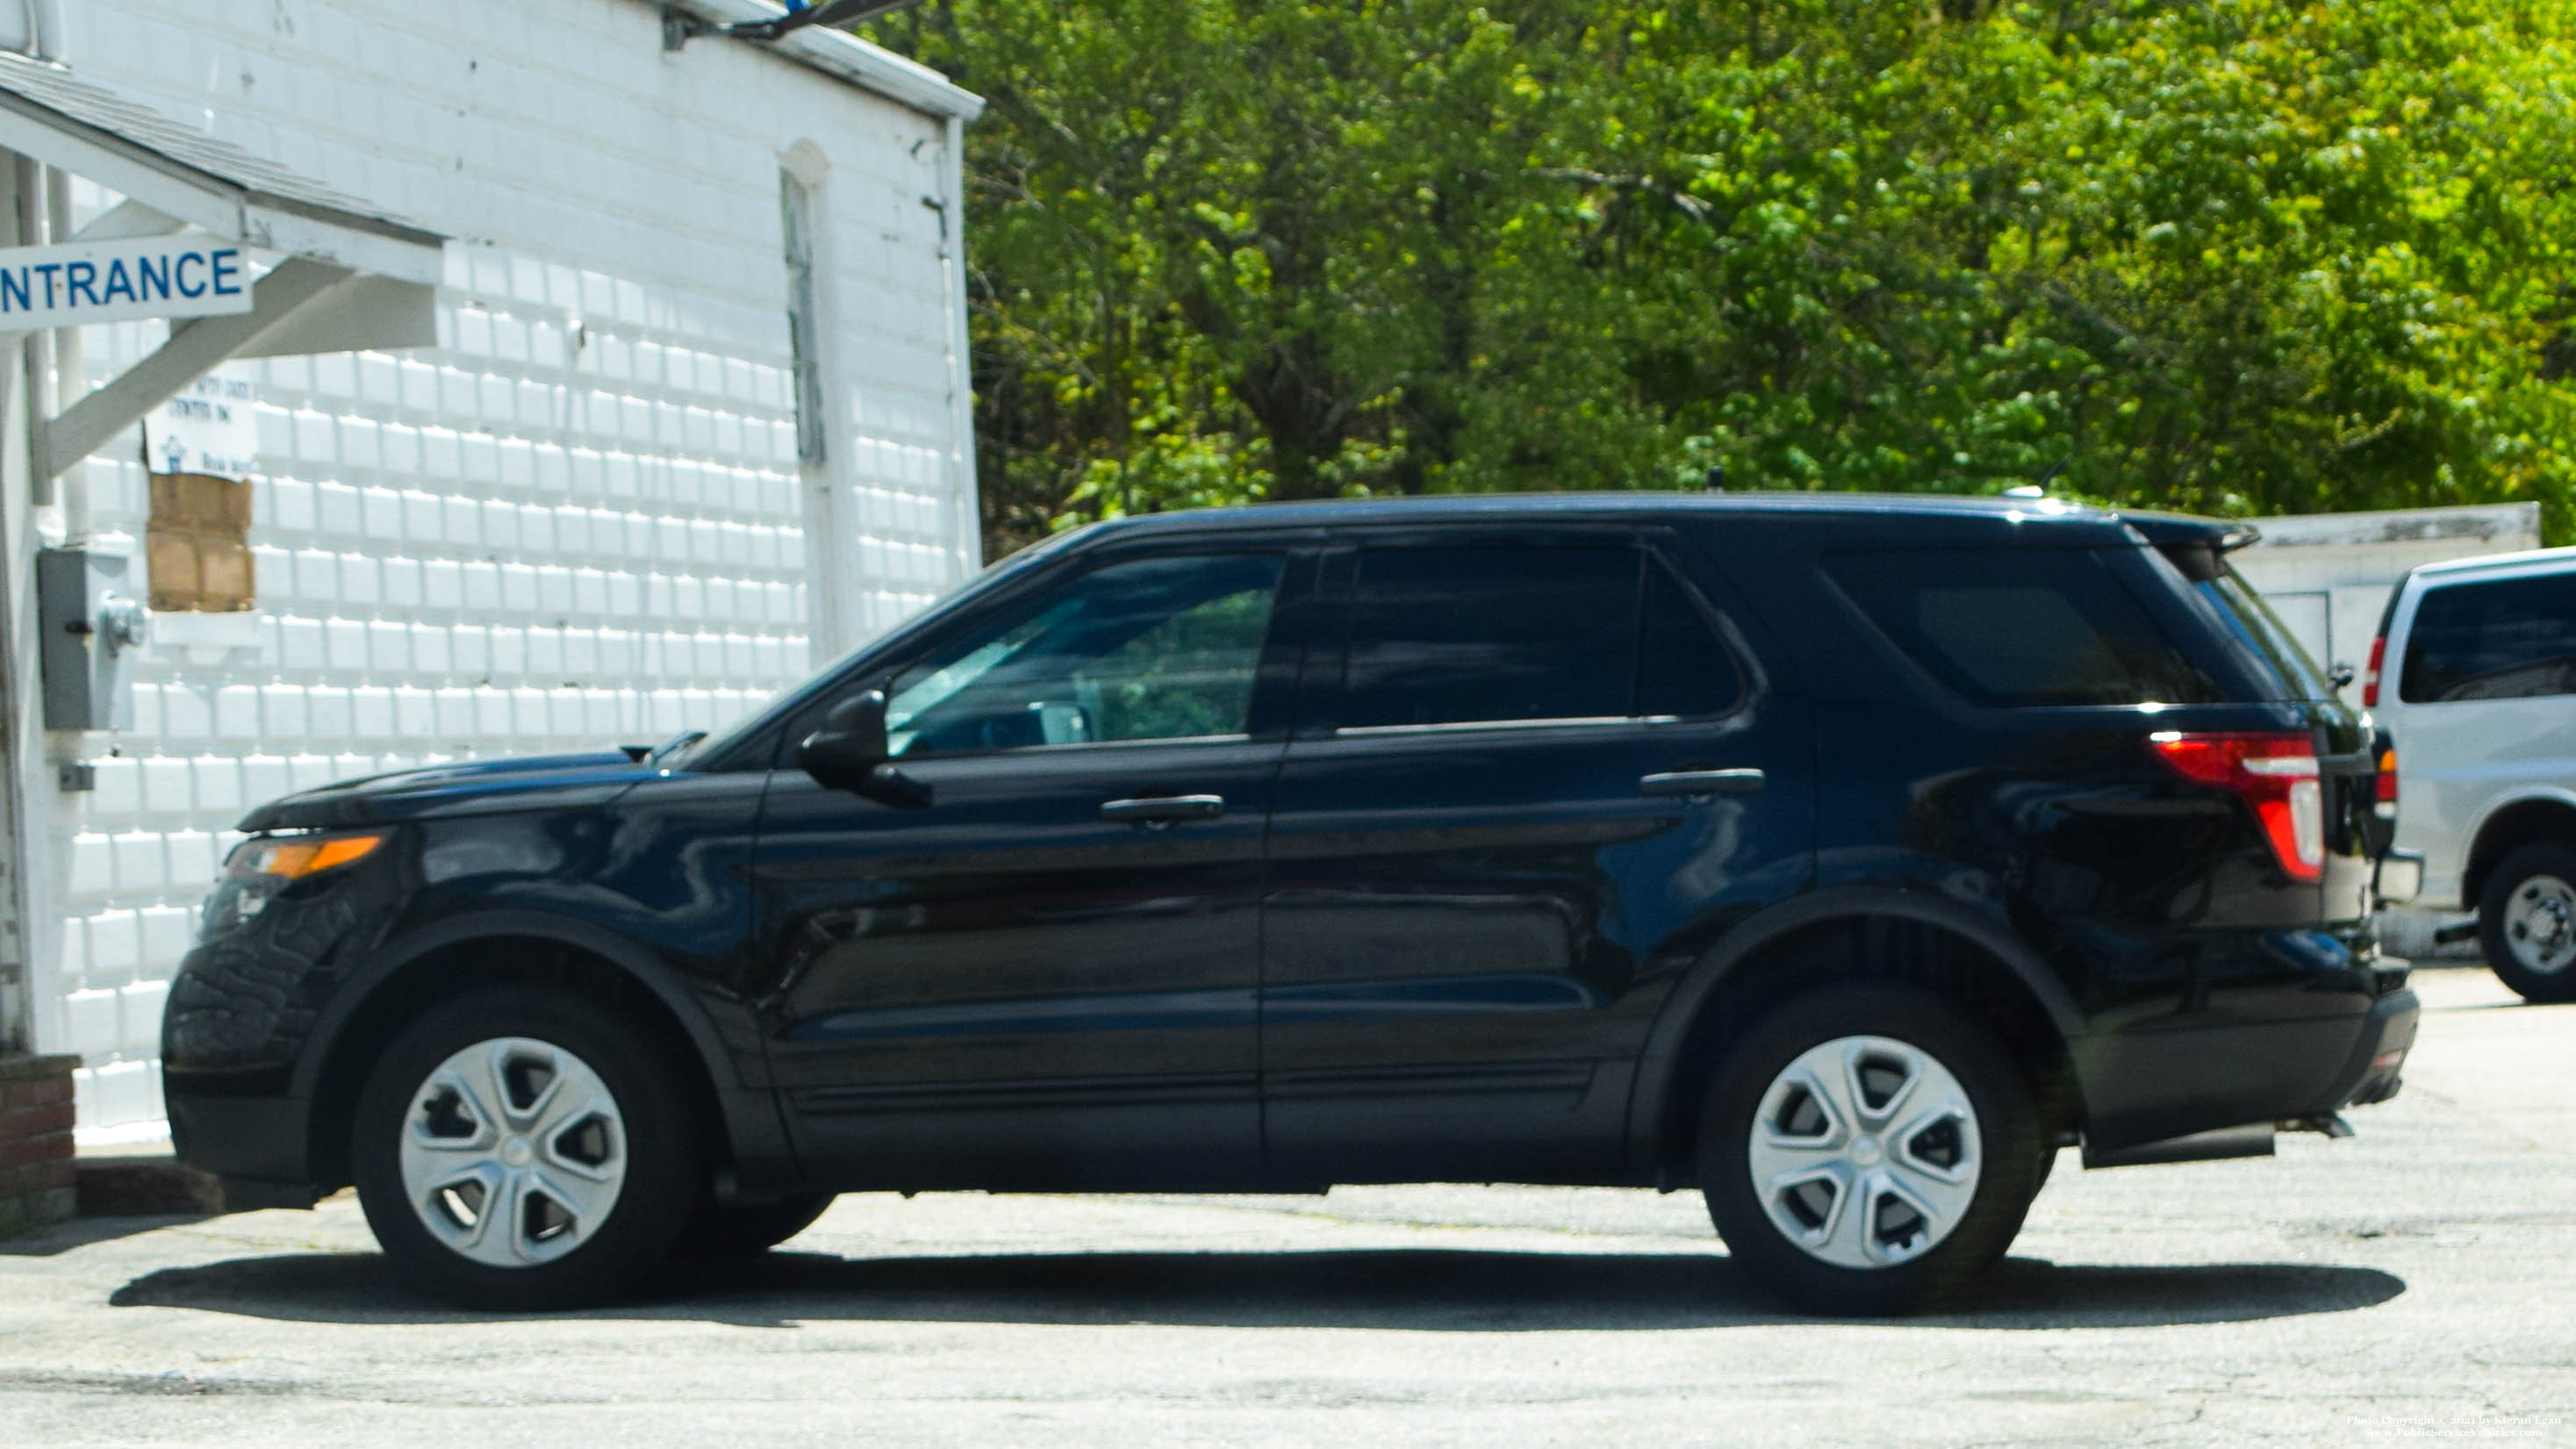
[[2227, 255]]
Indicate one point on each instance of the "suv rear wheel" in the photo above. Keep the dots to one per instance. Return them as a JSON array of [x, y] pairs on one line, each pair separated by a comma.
[[1868, 1148], [518, 1149], [2527, 922]]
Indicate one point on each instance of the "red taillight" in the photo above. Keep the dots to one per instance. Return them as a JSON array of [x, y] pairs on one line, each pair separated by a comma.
[[2370, 676], [2385, 791], [2274, 773]]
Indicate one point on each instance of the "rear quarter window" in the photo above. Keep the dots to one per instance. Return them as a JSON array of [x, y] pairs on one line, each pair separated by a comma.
[[2262, 639], [2507, 639], [2023, 627]]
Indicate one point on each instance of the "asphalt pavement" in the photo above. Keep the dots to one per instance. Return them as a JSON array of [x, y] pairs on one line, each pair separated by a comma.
[[2415, 1282]]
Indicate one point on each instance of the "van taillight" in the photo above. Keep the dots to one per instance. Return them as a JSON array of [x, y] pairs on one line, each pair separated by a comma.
[[2370, 676], [2276, 774], [2384, 793]]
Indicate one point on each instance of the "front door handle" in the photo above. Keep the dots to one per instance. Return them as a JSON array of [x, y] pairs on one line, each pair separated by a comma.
[[1702, 783], [1162, 809]]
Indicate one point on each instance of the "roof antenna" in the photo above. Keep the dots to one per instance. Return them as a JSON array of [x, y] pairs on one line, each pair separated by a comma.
[[1715, 482], [2040, 488]]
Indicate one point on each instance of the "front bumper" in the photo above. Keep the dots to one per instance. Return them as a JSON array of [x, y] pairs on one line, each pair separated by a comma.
[[243, 1012], [2400, 878], [260, 1138]]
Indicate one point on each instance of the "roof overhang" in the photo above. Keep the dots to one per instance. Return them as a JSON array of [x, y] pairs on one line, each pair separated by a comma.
[[49, 115], [841, 54], [353, 276]]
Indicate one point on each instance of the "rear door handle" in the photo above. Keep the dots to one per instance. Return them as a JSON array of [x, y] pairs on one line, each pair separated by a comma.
[[1702, 782], [1162, 809]]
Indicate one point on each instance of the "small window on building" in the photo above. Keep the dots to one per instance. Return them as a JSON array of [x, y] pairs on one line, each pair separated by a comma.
[[2511, 639], [804, 325], [2020, 626], [197, 542]]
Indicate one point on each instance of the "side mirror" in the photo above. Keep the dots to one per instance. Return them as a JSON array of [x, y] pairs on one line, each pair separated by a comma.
[[2340, 676], [850, 753]]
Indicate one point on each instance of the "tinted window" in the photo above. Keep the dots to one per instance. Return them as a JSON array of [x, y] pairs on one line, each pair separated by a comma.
[[1456, 635], [2021, 626], [2506, 640], [1682, 669], [1162, 648], [2260, 633]]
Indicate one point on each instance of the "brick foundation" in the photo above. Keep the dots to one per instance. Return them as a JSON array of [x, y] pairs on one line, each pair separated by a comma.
[[36, 1176]]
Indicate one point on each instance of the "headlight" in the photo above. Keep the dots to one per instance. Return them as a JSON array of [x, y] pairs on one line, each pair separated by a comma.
[[259, 868]]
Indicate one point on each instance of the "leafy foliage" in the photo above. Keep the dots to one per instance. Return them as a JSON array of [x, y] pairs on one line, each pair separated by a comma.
[[2222, 255]]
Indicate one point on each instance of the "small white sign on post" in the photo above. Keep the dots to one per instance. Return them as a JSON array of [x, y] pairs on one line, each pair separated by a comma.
[[118, 281], [208, 428]]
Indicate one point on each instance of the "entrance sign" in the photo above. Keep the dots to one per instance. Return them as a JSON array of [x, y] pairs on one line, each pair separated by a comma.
[[208, 428], [118, 281]]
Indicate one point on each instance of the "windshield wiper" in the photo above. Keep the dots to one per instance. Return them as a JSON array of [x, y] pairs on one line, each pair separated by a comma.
[[650, 756]]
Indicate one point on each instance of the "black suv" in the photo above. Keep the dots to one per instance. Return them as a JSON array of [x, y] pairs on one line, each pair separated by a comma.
[[1842, 857]]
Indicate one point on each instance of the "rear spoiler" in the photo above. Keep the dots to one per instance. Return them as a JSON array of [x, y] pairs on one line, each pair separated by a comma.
[[2197, 546]]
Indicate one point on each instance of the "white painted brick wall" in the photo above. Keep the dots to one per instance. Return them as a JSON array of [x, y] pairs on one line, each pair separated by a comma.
[[579, 520]]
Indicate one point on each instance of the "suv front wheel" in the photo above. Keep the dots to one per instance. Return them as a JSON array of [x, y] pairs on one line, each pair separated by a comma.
[[1867, 1148], [520, 1149]]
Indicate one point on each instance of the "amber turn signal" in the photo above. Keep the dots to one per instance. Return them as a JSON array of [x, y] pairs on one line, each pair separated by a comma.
[[294, 859]]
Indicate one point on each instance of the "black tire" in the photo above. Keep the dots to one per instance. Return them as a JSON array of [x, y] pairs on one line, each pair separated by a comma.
[[2007, 1163], [661, 1145], [716, 1234], [2531, 868]]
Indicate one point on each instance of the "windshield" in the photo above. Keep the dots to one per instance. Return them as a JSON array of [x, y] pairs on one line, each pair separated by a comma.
[[2262, 634]]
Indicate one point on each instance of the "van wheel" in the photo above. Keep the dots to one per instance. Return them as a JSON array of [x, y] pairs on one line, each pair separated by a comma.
[[520, 1149], [2527, 922], [1868, 1148], [716, 1233]]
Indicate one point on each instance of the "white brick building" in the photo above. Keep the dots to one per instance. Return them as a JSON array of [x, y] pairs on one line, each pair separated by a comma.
[[583, 517]]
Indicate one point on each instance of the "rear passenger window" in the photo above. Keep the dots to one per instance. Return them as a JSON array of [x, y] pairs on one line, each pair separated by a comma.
[[1506, 633], [1475, 634], [1682, 669], [2021, 626], [2513, 639]]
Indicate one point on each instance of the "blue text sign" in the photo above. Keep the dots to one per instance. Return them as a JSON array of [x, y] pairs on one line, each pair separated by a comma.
[[116, 281]]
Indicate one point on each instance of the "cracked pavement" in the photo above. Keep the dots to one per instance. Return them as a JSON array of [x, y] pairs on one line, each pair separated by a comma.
[[2381, 1288]]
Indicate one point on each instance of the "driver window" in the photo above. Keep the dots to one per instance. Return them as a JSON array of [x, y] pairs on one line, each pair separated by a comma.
[[1153, 649]]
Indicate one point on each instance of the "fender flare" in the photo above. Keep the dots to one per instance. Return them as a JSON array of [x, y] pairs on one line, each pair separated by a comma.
[[2487, 813], [1717, 967], [749, 1110]]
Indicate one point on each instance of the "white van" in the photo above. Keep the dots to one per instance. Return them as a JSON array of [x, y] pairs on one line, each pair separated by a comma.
[[2473, 676]]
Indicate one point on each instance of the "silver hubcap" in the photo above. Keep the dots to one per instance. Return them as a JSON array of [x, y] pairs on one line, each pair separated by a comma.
[[513, 1152], [1865, 1152], [2540, 924]]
